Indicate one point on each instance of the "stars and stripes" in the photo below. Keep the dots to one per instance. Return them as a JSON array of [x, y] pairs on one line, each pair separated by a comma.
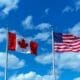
[[66, 43]]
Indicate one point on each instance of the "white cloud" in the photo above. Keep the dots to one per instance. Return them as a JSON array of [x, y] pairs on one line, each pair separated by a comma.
[[43, 26], [45, 59], [1, 74], [69, 60], [74, 8], [75, 30], [27, 23], [49, 41], [78, 78], [67, 9], [32, 76], [2, 34], [42, 36], [47, 11], [9, 5], [77, 5], [13, 61]]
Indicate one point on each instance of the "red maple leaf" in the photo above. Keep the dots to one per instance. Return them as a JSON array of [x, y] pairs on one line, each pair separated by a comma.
[[22, 43]]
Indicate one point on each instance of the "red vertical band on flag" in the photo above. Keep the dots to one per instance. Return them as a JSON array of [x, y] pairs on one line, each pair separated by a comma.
[[11, 41], [33, 47]]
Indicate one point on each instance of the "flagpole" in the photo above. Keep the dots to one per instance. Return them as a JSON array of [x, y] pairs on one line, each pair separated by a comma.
[[53, 55], [6, 62]]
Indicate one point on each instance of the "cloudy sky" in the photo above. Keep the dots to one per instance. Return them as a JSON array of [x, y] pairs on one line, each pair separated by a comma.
[[34, 20]]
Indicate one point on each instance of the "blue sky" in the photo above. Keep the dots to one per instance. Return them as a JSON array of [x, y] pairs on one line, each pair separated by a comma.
[[34, 20]]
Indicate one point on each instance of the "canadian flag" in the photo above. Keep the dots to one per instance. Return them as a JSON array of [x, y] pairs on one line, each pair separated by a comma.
[[21, 44]]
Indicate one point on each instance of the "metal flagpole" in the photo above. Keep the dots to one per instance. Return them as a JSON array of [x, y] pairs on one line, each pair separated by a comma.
[[6, 62], [53, 54]]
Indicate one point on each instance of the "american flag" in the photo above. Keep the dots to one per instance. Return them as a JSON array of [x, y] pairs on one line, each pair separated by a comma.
[[66, 43]]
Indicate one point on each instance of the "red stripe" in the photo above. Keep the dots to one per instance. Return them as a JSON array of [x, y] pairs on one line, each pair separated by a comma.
[[68, 45]]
